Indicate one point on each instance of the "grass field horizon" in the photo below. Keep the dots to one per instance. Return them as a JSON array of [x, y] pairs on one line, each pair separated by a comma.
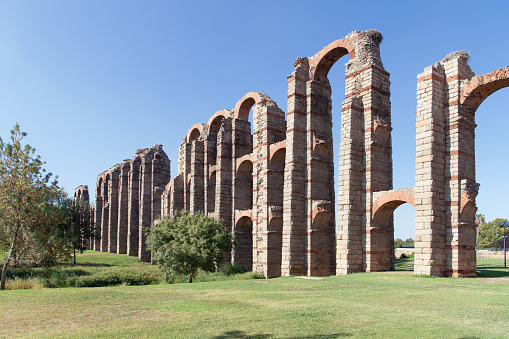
[[383, 304]]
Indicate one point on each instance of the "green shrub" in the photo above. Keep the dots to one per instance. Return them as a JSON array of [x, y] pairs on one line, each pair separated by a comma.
[[231, 269], [412, 255], [249, 275]]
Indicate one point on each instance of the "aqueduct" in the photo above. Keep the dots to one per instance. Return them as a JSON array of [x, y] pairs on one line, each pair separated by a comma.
[[274, 187]]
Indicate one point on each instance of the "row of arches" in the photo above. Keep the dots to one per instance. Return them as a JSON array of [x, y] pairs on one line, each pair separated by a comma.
[[274, 188], [128, 201]]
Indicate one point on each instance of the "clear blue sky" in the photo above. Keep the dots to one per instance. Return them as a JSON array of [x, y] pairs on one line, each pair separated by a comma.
[[92, 81]]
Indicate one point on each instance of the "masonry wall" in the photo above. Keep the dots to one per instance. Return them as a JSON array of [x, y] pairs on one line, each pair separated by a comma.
[[272, 183], [128, 200]]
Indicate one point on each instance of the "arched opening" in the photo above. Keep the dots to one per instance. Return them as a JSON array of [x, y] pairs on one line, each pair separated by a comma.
[[275, 187], [195, 134], [214, 124], [106, 188], [244, 186], [473, 99], [243, 237], [211, 193], [382, 246], [491, 166], [276, 178], [404, 237]]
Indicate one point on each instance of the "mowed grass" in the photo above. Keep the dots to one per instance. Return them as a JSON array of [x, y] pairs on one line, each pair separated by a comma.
[[383, 305]]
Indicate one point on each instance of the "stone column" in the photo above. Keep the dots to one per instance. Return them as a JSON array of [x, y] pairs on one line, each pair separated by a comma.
[[123, 208], [196, 181], [113, 210], [294, 200], [145, 222], [460, 186], [430, 205], [134, 215]]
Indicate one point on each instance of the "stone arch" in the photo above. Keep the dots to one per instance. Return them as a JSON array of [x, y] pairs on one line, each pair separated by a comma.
[[215, 121], [243, 237], [389, 201], [244, 184], [275, 148], [327, 57], [482, 86], [247, 102], [194, 133], [381, 247]]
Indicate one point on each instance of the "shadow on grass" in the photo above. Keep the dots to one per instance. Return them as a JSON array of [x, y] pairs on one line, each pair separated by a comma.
[[491, 271], [244, 335], [90, 265]]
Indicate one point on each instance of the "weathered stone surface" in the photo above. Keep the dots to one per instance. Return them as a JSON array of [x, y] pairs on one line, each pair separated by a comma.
[[128, 201], [274, 187]]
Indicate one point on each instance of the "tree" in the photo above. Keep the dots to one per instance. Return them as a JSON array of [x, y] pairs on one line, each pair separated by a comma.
[[491, 235], [29, 207], [187, 242], [80, 225], [480, 219]]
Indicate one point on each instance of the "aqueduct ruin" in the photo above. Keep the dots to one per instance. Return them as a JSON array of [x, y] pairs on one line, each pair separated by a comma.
[[274, 188]]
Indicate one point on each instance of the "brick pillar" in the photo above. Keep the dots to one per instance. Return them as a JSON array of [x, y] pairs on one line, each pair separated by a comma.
[[294, 202], [377, 149], [186, 159], [269, 128], [320, 229], [209, 166], [113, 210], [98, 208], [105, 216], [134, 213], [196, 181], [350, 248], [161, 175], [430, 205], [145, 207], [123, 208], [223, 193], [176, 195], [460, 186]]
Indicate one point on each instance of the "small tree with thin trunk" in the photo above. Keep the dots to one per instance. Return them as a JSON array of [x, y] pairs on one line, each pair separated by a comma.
[[28, 206], [188, 242], [480, 219]]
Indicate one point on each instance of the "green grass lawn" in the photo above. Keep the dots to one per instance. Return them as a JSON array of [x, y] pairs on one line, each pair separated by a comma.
[[379, 305]]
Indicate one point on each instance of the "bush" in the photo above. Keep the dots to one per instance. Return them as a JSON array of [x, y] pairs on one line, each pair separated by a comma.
[[231, 269], [249, 275], [188, 242], [403, 256]]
